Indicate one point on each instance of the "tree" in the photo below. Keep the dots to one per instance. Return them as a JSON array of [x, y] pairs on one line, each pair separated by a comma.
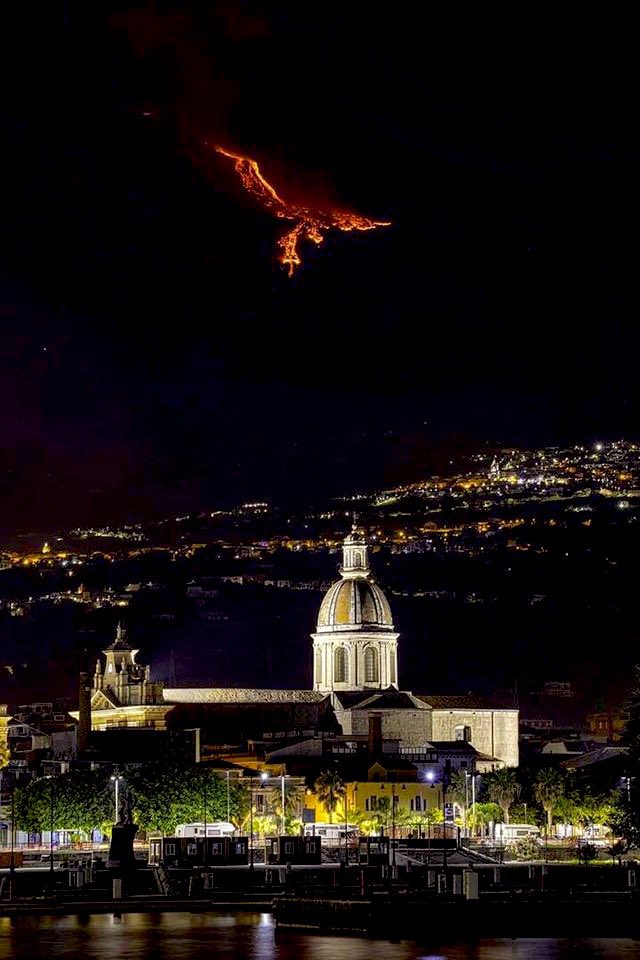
[[423, 820], [81, 800], [292, 799], [483, 814], [292, 804], [549, 790], [165, 794], [459, 790], [504, 789], [380, 819], [240, 805], [330, 789]]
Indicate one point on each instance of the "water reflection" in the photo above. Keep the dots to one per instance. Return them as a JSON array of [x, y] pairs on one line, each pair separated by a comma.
[[197, 936]]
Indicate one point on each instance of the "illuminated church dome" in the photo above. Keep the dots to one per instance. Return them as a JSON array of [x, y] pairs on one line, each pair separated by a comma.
[[355, 646], [354, 603]]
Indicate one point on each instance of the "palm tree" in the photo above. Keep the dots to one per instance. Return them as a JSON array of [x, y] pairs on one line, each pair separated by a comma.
[[548, 790], [459, 790], [292, 798], [330, 789], [504, 789]]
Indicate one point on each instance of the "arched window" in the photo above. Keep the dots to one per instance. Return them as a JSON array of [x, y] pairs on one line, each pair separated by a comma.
[[392, 667], [371, 670], [318, 670], [463, 733], [340, 666]]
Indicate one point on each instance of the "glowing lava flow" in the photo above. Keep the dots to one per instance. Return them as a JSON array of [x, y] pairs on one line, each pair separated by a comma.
[[308, 224]]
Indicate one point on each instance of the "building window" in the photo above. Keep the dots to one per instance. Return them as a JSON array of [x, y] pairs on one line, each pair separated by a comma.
[[192, 849], [371, 671], [463, 733], [371, 803], [216, 849], [340, 666], [318, 666], [170, 849], [289, 847], [416, 803], [392, 668]]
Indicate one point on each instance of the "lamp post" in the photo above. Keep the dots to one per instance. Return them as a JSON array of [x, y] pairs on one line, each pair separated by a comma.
[[282, 819], [12, 866], [346, 825], [466, 800], [115, 779], [446, 779], [473, 802], [49, 777], [251, 823], [204, 797], [262, 777], [393, 824]]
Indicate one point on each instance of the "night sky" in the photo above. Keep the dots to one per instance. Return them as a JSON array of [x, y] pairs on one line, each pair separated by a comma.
[[155, 357]]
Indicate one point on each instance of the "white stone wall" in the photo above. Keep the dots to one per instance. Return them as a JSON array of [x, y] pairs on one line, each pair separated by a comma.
[[355, 645], [494, 732], [411, 727]]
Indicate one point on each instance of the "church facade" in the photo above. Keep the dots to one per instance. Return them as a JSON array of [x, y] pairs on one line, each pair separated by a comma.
[[355, 677]]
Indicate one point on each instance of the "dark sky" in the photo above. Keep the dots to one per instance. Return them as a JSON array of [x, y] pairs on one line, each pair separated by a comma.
[[153, 354]]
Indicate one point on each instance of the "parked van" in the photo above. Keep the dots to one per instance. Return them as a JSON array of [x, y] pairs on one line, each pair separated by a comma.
[[217, 829], [508, 832], [331, 832]]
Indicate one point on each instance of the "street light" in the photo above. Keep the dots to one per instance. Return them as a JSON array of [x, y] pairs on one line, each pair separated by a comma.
[[346, 824], [282, 819], [262, 778], [466, 800], [116, 778], [12, 867], [446, 779], [49, 776]]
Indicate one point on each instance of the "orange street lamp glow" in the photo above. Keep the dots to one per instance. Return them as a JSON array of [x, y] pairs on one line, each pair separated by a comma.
[[308, 224]]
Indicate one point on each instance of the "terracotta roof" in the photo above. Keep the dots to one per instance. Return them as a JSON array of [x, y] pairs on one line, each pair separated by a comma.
[[595, 756], [463, 702], [239, 695]]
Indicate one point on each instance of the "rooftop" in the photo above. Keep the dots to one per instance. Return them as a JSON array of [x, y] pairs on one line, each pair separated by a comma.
[[239, 695]]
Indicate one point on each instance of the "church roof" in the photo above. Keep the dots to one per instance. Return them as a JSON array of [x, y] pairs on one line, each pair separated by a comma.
[[355, 603], [463, 702], [389, 699], [239, 695], [455, 746]]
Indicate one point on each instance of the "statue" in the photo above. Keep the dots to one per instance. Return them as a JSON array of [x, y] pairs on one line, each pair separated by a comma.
[[121, 856]]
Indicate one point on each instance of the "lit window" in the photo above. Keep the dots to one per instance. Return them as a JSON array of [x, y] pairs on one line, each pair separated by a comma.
[[371, 673], [463, 733], [341, 666]]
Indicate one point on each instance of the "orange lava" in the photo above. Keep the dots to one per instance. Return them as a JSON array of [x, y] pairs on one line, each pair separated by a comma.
[[308, 224]]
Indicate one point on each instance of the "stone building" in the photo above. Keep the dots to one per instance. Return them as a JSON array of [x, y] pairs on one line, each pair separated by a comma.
[[355, 661], [123, 694]]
